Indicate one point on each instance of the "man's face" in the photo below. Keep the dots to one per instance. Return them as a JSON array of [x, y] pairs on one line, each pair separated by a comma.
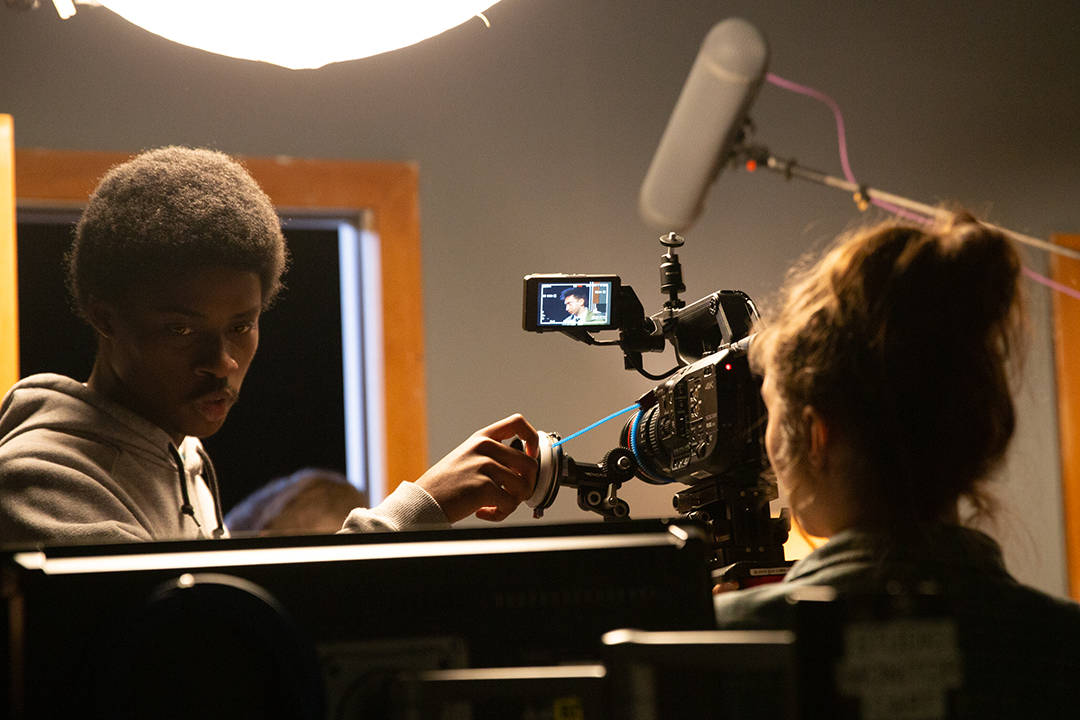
[[178, 349], [574, 304]]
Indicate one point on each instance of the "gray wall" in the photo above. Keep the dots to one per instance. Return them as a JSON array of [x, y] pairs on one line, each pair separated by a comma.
[[532, 138]]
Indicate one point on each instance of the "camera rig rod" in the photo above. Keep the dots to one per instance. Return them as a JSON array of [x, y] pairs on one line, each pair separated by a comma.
[[598, 483]]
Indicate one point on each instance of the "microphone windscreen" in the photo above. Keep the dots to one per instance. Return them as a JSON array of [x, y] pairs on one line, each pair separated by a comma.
[[705, 125]]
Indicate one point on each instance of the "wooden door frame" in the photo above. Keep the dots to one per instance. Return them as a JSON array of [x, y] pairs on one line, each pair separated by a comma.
[[380, 196], [1066, 311], [9, 275]]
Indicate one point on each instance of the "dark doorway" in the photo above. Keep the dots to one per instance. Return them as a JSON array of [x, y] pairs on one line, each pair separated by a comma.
[[291, 414]]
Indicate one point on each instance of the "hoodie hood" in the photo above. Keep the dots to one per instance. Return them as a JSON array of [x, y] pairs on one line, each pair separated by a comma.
[[58, 403]]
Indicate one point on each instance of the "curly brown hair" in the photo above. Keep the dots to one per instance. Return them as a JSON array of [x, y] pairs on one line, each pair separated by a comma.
[[904, 338], [171, 209]]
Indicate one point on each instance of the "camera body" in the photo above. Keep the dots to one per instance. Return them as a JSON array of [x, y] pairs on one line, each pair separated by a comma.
[[702, 426], [706, 422]]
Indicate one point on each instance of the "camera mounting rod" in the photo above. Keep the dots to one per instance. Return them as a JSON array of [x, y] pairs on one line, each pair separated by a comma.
[[671, 281]]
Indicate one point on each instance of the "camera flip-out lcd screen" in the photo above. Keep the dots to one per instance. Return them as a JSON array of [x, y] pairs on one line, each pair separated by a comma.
[[562, 302]]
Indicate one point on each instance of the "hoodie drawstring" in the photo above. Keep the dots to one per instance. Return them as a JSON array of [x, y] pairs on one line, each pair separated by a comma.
[[186, 508], [211, 480]]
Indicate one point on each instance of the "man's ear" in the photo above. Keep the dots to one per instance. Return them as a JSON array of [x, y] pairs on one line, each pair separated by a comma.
[[101, 316], [819, 435]]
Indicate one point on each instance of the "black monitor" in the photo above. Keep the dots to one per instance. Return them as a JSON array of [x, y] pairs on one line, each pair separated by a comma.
[[335, 611], [660, 675]]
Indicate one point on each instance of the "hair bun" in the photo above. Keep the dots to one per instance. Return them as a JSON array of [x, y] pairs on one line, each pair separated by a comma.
[[984, 269]]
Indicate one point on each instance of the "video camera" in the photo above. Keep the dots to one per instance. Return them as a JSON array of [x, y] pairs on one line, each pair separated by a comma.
[[702, 426]]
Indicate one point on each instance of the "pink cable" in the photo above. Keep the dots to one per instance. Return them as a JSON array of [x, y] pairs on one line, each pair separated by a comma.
[[842, 140], [1052, 284], [802, 89]]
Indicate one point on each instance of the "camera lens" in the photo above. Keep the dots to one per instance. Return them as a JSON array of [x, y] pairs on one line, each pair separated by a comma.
[[642, 435]]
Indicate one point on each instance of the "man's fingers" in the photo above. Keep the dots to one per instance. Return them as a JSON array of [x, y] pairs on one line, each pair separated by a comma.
[[497, 501], [515, 425], [511, 458], [482, 476], [491, 514]]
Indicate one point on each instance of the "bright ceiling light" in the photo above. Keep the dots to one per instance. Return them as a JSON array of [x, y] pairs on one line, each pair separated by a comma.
[[296, 33]]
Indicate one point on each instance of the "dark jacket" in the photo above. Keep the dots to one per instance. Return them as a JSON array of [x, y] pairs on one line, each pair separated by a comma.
[[1019, 648]]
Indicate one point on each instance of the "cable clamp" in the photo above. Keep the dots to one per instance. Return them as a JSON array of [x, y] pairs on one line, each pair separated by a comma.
[[862, 198]]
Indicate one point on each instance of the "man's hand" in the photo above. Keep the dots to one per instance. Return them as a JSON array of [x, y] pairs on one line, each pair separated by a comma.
[[483, 476]]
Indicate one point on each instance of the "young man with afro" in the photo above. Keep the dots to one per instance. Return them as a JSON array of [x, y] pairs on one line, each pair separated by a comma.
[[174, 259]]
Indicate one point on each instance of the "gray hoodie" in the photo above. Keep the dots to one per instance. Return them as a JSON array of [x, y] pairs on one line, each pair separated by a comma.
[[76, 467]]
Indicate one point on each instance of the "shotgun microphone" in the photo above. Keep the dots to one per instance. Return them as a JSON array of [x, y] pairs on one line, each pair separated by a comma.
[[706, 125]]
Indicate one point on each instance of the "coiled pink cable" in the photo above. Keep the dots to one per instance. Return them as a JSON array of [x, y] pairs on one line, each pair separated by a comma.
[[850, 176]]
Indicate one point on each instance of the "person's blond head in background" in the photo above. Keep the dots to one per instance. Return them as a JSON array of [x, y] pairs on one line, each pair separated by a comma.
[[310, 501]]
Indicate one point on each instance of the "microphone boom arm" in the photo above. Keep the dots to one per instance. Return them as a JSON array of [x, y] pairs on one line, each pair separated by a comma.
[[863, 194]]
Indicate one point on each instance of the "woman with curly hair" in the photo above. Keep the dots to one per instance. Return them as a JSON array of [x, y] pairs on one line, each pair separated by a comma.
[[887, 375]]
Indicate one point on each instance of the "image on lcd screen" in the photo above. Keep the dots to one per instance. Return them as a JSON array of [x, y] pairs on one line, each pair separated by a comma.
[[564, 304]]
